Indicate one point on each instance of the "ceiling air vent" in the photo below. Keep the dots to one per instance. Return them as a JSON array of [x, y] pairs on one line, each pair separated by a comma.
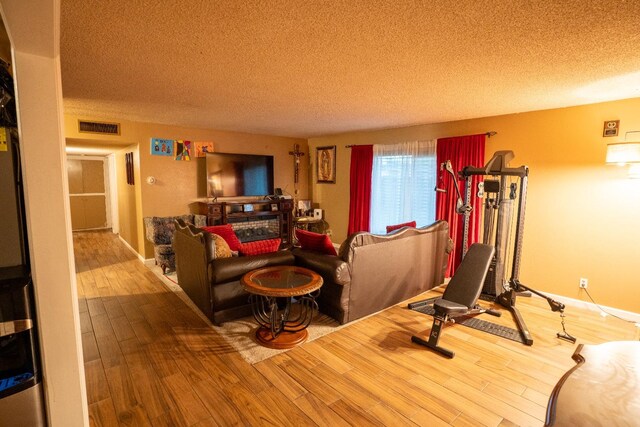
[[99, 127]]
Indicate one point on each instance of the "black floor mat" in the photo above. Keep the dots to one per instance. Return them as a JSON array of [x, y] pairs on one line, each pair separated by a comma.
[[487, 297], [481, 325]]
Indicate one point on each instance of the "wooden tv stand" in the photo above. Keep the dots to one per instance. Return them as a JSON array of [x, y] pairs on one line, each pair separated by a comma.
[[252, 219]]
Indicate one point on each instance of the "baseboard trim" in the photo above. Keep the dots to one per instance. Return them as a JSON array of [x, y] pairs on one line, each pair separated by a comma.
[[628, 315], [140, 257]]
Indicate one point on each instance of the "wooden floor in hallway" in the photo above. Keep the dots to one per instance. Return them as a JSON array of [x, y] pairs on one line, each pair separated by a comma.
[[150, 360]]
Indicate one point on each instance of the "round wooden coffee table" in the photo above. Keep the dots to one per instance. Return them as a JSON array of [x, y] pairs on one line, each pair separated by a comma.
[[282, 325]]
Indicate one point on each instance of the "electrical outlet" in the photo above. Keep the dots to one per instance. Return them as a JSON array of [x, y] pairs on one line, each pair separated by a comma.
[[584, 283]]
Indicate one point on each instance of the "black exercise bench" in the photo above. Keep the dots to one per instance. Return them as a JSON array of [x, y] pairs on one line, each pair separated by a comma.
[[461, 295]]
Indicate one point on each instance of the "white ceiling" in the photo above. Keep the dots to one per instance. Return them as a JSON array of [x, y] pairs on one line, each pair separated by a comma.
[[310, 67]]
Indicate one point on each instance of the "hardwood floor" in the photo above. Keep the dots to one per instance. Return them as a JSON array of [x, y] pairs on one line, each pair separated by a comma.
[[150, 360]]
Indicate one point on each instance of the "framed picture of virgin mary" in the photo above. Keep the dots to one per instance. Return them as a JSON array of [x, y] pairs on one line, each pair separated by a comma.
[[326, 165]]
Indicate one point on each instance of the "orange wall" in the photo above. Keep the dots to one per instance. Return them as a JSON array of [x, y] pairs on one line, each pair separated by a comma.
[[581, 217], [127, 205], [176, 185]]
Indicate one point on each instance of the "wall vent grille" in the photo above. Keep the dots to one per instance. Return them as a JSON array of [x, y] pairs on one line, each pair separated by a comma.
[[99, 127]]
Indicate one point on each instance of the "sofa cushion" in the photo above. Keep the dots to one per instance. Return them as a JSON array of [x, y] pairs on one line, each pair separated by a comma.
[[331, 268], [229, 295], [215, 246], [260, 247], [391, 228], [228, 269], [227, 233], [315, 242], [220, 247]]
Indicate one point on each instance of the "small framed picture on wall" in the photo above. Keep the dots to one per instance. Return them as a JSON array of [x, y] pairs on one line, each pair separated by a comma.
[[326, 165], [162, 147], [611, 128], [202, 148]]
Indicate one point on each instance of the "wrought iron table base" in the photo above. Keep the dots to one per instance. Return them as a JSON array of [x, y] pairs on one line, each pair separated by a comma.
[[275, 327]]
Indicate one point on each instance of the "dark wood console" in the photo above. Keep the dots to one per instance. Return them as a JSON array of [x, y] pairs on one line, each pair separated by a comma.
[[252, 220]]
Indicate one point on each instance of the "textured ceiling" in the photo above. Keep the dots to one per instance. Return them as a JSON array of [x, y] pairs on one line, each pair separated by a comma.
[[310, 67]]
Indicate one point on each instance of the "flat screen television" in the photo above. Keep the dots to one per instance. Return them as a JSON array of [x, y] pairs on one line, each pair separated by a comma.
[[234, 175]]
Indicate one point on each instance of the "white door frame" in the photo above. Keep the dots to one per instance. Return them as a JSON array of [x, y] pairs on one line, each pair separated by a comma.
[[112, 200]]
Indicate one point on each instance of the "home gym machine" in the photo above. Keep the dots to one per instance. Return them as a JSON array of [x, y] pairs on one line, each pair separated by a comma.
[[500, 196]]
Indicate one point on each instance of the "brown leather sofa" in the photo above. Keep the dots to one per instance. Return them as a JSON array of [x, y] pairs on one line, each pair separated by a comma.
[[214, 284], [373, 272]]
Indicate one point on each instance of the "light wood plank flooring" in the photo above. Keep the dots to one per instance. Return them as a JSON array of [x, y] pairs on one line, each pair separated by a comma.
[[150, 360]]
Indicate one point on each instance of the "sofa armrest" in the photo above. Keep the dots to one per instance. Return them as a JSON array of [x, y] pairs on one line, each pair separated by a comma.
[[330, 267], [224, 270], [191, 266]]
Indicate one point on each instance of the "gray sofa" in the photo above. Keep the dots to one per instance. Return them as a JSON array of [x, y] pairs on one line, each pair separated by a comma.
[[373, 272]]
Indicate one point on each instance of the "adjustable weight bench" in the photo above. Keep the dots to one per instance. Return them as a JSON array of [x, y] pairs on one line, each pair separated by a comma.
[[461, 295]]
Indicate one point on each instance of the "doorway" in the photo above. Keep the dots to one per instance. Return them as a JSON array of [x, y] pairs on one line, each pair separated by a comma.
[[89, 192]]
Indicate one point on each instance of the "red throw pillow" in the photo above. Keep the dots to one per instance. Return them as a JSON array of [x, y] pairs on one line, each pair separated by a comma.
[[227, 233], [260, 247], [315, 242], [391, 228]]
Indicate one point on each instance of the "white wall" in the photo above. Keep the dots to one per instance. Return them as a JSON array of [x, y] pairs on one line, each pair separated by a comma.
[[33, 28]]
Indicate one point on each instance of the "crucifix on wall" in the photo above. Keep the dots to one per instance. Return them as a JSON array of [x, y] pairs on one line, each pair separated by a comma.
[[296, 153]]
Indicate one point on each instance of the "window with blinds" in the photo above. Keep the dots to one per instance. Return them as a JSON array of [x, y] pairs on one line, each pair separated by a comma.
[[402, 184]]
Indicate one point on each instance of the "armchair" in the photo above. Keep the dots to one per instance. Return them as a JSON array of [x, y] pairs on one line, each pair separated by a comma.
[[160, 231]]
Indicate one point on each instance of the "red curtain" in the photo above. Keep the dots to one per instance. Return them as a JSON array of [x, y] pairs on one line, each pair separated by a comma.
[[462, 151], [360, 193]]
